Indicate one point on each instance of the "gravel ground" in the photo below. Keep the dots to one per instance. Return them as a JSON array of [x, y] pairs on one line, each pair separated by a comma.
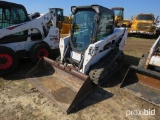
[[19, 100]]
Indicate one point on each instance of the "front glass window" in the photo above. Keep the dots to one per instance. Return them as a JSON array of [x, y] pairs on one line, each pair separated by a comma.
[[82, 29], [5, 15], [11, 16], [118, 12], [18, 15], [145, 17], [105, 27]]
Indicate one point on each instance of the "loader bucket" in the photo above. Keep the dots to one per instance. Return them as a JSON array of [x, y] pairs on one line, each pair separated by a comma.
[[65, 86], [143, 83]]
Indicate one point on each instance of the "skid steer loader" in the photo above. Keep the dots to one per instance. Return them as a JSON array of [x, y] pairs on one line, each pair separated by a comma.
[[119, 14], [23, 35], [91, 55], [144, 80]]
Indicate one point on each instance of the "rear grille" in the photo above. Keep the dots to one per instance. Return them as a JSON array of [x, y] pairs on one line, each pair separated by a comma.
[[143, 26]]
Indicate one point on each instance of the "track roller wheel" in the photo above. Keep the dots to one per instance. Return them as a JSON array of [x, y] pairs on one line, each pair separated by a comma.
[[8, 60], [105, 68], [38, 51]]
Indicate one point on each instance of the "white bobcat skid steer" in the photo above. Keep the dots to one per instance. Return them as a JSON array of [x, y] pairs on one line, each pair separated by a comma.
[[91, 55], [21, 36]]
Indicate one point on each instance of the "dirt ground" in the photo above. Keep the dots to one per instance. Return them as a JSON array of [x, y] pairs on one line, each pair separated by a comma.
[[20, 101]]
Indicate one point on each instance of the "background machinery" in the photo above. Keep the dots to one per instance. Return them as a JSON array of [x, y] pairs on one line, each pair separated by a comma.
[[126, 23], [157, 25], [66, 26], [143, 24], [144, 80], [22, 36], [119, 16], [88, 57]]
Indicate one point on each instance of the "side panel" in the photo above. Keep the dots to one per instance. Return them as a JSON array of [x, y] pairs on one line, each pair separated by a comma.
[[36, 26], [99, 49], [62, 45], [155, 61], [52, 39], [36, 23]]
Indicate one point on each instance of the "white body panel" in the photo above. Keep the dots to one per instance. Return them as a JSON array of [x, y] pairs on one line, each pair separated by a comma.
[[62, 45], [155, 61], [36, 25], [157, 25], [75, 55], [96, 55], [95, 51]]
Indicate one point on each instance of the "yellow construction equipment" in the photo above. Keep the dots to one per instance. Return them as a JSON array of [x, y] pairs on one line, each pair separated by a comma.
[[66, 26], [126, 23], [118, 18], [143, 24]]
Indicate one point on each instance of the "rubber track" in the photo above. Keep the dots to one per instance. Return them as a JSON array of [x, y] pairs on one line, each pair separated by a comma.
[[99, 71]]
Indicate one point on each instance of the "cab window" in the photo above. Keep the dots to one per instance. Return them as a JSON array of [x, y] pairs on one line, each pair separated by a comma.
[[105, 26]]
